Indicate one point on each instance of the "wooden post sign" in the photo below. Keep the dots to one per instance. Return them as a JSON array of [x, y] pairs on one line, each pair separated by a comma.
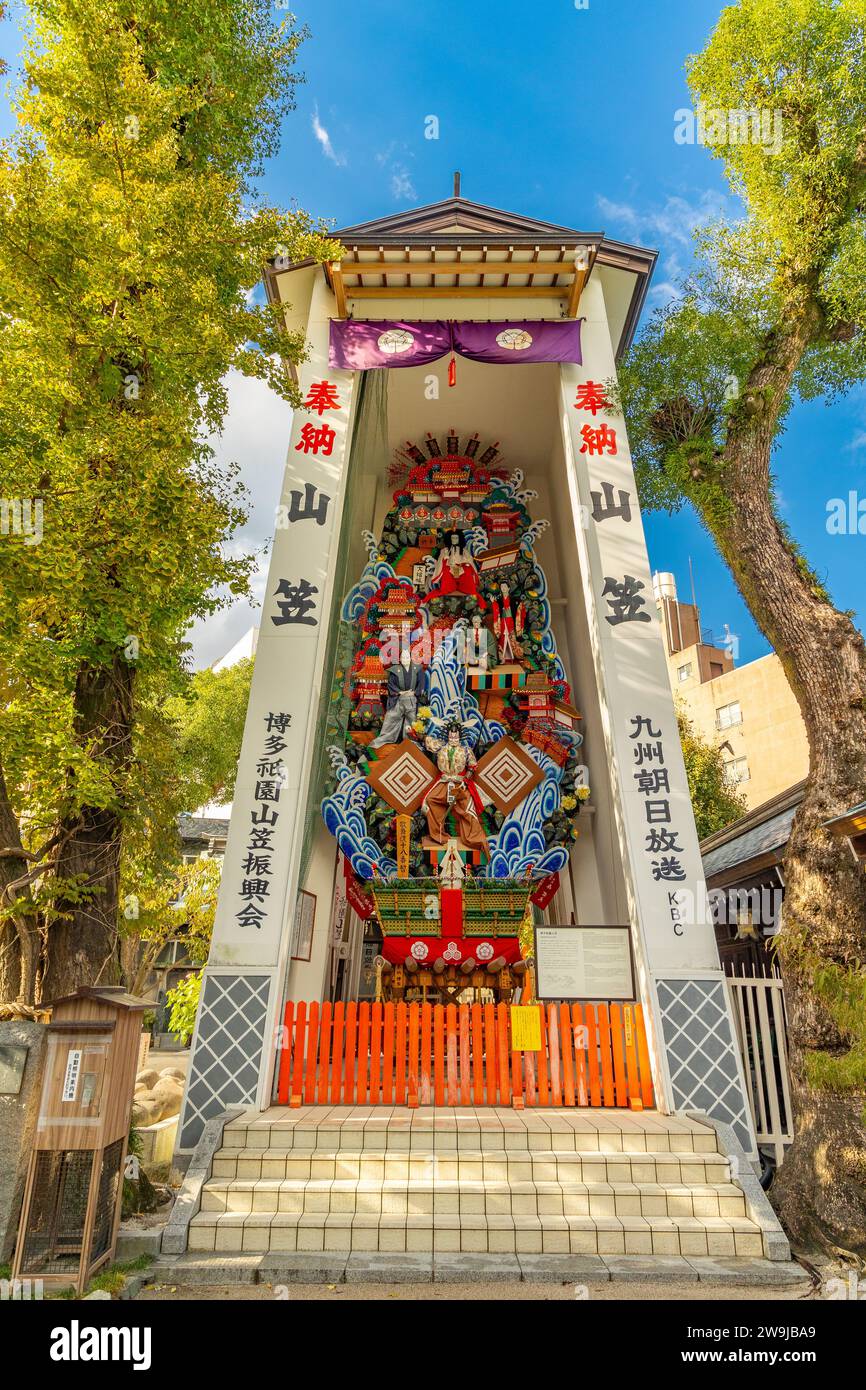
[[71, 1208], [583, 963]]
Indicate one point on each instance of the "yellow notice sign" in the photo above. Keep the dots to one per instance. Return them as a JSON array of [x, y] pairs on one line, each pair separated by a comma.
[[525, 1028]]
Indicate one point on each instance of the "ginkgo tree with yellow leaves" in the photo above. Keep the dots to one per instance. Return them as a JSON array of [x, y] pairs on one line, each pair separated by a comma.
[[776, 312], [131, 240], [193, 742]]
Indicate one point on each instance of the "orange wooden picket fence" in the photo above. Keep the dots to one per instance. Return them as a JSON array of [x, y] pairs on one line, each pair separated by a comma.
[[450, 1054]]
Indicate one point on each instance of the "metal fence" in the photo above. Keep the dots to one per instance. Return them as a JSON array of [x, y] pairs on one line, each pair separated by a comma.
[[758, 1006]]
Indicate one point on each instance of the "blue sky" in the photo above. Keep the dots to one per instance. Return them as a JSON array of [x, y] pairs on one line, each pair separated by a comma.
[[561, 113]]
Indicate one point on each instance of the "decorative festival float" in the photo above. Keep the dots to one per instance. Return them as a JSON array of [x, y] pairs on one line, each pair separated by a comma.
[[414, 687], [458, 779]]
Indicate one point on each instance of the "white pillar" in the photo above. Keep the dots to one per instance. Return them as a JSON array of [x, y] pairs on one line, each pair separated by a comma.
[[234, 1045], [696, 1061]]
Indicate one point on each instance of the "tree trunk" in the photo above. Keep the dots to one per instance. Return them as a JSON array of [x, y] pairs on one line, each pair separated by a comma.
[[20, 949], [19, 933], [821, 1189], [83, 946]]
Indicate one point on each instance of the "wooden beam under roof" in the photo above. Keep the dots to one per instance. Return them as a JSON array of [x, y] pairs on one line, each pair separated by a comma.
[[576, 290], [505, 233], [582, 273], [487, 267], [457, 291], [339, 288]]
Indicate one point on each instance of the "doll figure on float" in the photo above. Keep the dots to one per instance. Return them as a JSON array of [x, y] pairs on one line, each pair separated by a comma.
[[479, 646], [455, 572], [406, 682], [508, 626], [454, 790]]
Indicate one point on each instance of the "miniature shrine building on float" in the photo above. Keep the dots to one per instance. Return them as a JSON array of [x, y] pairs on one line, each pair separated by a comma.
[[461, 764]]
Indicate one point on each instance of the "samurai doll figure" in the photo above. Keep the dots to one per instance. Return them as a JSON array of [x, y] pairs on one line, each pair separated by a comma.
[[479, 649], [508, 626], [454, 790], [455, 572], [406, 683]]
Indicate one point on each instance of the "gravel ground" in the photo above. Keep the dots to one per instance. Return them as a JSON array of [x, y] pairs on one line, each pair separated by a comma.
[[517, 1293]]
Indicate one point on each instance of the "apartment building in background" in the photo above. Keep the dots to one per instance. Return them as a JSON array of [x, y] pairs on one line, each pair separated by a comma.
[[749, 711]]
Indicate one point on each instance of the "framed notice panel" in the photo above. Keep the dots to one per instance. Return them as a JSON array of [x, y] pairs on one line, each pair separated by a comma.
[[583, 963], [305, 917]]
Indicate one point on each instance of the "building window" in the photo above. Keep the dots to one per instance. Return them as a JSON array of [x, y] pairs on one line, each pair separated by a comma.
[[737, 770], [728, 715], [683, 672]]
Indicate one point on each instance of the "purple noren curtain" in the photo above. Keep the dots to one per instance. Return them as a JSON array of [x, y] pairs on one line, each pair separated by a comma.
[[359, 345], [519, 341]]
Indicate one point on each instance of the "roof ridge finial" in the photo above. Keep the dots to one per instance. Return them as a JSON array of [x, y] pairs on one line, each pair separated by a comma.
[[456, 183]]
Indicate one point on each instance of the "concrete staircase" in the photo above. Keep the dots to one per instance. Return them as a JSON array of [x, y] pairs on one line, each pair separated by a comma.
[[495, 1181]]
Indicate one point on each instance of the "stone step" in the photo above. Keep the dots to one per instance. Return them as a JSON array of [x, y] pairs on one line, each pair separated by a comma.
[[488, 1165], [452, 1268], [644, 1235], [552, 1182], [399, 1197], [564, 1130]]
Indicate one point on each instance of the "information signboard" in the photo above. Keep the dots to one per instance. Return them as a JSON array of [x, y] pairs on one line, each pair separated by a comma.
[[583, 963]]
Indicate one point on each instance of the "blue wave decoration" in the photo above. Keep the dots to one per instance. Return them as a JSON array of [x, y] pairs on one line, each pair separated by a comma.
[[493, 731], [531, 534], [447, 695], [570, 736], [343, 814], [374, 575], [510, 488], [476, 540]]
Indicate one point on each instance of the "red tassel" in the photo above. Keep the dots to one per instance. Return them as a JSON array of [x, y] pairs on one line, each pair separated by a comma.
[[452, 371]]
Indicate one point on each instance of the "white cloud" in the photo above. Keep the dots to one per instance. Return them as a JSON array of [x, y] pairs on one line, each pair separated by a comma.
[[674, 221], [255, 436], [324, 140], [402, 186], [670, 226], [664, 290]]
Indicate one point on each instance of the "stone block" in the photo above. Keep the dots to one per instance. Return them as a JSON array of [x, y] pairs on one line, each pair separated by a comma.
[[372, 1267], [753, 1273], [18, 1115], [305, 1267], [564, 1269], [650, 1269], [466, 1268]]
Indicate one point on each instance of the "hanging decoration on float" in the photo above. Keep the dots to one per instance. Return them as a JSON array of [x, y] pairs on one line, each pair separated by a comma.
[[362, 345]]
